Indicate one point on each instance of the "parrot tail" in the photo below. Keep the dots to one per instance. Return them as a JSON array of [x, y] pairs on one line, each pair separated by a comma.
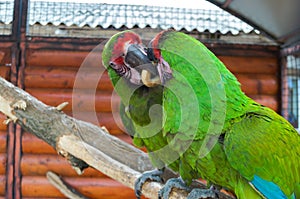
[[269, 189], [245, 190]]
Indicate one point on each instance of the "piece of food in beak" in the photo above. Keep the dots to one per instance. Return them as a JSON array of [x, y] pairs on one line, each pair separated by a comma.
[[148, 81]]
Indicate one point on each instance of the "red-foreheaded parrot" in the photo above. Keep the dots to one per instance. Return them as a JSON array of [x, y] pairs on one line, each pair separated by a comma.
[[182, 103]]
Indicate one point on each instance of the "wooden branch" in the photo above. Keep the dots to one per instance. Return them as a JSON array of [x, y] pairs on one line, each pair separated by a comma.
[[104, 163], [63, 187], [49, 124], [80, 142]]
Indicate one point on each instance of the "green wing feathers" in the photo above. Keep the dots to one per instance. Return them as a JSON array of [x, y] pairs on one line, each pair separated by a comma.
[[264, 144]]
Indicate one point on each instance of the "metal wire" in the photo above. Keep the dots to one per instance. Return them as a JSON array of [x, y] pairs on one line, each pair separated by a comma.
[[70, 19], [6, 16], [293, 90]]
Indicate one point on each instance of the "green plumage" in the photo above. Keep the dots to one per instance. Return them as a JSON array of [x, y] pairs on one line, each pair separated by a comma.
[[209, 128]]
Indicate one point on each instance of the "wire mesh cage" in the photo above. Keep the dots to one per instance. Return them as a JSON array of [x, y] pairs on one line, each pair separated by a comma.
[[291, 89], [6, 16], [72, 19]]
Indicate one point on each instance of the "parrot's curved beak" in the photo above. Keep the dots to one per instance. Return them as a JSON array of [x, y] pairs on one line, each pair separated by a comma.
[[163, 68], [136, 58]]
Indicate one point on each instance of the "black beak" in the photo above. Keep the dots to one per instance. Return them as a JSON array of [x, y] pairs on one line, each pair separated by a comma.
[[150, 52], [137, 58]]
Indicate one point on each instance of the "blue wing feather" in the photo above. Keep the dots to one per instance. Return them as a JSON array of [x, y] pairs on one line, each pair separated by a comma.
[[269, 189]]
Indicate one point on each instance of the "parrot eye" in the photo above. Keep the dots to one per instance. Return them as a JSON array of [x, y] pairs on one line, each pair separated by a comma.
[[112, 64], [150, 53]]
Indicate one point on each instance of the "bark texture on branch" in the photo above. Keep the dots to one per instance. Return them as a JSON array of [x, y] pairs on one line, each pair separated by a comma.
[[82, 143], [49, 124]]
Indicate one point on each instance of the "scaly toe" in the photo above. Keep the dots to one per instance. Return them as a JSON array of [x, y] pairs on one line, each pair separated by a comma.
[[170, 184], [154, 175], [202, 193]]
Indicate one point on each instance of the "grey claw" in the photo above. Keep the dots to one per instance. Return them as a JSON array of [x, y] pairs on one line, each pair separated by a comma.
[[202, 193], [154, 175], [164, 193]]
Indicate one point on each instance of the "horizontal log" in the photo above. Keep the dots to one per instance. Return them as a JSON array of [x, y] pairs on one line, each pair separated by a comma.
[[83, 99], [247, 50], [40, 164], [3, 141], [4, 71], [3, 160], [87, 44], [257, 84], [256, 65], [36, 186], [103, 100], [67, 43], [6, 43], [41, 147], [1, 56], [62, 58], [267, 100], [65, 77], [63, 197], [3, 127], [2, 185]]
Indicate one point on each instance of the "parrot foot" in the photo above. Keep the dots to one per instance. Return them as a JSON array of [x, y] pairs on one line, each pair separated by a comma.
[[164, 193], [194, 193], [203, 193], [154, 175]]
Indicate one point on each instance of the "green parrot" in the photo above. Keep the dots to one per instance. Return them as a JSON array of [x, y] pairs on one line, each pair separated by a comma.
[[182, 103]]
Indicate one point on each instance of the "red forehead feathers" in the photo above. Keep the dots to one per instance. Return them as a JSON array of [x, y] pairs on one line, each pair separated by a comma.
[[155, 47], [119, 47]]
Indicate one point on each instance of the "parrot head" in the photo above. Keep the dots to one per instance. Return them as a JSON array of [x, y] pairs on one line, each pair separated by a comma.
[[154, 54], [125, 55]]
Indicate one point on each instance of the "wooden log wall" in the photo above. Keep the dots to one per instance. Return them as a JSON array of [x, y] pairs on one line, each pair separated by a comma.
[[3, 155], [5, 60], [258, 76], [49, 75], [256, 68], [50, 72]]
